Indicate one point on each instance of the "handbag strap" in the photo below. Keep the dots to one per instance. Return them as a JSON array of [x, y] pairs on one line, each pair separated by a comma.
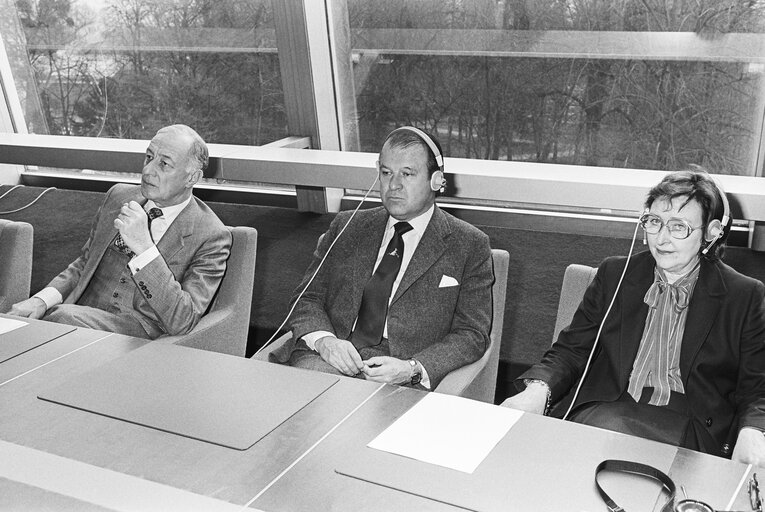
[[637, 468]]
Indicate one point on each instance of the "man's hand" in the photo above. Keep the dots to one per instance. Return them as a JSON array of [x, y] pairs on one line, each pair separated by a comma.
[[532, 399], [133, 225], [750, 447], [33, 307], [341, 354], [389, 370]]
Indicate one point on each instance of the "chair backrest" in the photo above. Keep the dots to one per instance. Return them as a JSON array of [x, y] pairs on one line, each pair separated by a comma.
[[225, 326], [15, 262], [478, 380], [576, 279]]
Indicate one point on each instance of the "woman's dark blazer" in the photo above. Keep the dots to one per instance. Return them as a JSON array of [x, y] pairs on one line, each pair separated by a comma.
[[722, 358]]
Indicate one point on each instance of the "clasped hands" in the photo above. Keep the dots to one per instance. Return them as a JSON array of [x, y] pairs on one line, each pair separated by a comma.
[[133, 225], [343, 355]]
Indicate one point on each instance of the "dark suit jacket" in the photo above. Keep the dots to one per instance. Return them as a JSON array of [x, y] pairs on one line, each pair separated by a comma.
[[442, 327], [722, 357], [179, 285]]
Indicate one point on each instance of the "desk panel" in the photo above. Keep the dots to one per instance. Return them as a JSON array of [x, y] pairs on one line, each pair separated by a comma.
[[195, 466]]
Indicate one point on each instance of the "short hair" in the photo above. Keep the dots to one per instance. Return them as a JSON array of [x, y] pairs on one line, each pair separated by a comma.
[[695, 183], [198, 150], [404, 138]]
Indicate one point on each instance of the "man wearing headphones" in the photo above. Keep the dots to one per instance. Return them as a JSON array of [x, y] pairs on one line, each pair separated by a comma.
[[404, 294], [679, 355]]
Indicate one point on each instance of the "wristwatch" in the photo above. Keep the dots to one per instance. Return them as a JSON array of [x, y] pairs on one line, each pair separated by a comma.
[[416, 372]]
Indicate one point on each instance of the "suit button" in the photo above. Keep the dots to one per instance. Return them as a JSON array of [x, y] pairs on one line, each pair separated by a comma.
[[140, 283], [122, 280], [148, 295], [115, 295], [709, 422], [726, 449]]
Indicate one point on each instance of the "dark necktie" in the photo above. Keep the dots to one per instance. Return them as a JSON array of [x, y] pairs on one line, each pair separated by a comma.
[[374, 302], [120, 243]]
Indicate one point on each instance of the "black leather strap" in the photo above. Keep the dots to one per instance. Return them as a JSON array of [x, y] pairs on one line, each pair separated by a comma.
[[637, 468]]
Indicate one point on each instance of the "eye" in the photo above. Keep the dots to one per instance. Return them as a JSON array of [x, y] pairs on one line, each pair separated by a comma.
[[677, 226], [407, 174], [148, 158], [653, 222], [385, 172]]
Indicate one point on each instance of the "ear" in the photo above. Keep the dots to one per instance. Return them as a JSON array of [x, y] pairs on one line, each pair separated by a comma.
[[193, 177], [714, 230]]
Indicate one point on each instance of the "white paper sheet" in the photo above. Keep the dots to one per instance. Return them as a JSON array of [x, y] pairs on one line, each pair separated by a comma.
[[447, 431], [9, 324]]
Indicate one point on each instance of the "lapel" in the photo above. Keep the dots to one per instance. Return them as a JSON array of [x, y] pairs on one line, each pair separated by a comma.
[[430, 248], [702, 312], [369, 234], [634, 310], [182, 226]]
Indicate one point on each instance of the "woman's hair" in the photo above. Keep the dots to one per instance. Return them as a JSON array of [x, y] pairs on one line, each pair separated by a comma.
[[695, 184]]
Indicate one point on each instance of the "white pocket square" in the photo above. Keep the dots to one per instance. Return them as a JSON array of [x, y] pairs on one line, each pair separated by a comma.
[[447, 281]]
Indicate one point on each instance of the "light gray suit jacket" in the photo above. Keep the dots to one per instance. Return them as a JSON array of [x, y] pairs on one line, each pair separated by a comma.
[[442, 327], [179, 285]]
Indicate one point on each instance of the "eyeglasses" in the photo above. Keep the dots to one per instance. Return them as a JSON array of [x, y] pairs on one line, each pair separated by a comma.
[[754, 494], [677, 228]]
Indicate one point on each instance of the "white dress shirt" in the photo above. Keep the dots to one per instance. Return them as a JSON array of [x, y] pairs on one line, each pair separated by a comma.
[[159, 226]]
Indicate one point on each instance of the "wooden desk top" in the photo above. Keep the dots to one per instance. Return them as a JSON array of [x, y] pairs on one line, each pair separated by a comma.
[[291, 469]]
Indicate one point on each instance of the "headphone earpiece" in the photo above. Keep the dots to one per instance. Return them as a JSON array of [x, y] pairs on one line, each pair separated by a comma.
[[437, 181], [725, 218]]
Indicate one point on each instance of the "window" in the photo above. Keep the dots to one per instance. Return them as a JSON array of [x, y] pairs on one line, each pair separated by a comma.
[[124, 68], [625, 83]]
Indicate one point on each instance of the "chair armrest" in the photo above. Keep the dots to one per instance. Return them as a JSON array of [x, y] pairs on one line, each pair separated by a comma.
[[277, 343], [205, 335], [457, 381]]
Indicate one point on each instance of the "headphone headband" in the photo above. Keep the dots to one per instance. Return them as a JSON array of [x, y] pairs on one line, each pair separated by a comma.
[[427, 140]]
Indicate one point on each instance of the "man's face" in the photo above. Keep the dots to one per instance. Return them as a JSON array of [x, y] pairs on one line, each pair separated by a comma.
[[405, 182], [168, 171]]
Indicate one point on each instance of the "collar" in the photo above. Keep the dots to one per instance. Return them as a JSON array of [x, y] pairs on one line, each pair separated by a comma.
[[419, 223], [168, 212]]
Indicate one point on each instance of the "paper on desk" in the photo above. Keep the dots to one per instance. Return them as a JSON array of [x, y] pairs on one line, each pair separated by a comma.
[[9, 324], [447, 431]]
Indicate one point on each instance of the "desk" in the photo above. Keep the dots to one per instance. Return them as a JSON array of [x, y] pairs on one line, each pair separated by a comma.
[[291, 469]]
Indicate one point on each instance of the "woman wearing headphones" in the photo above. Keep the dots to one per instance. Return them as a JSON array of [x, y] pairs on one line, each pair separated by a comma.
[[671, 342]]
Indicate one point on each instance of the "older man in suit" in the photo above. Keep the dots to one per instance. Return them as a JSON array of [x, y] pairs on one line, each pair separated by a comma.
[[404, 293], [155, 255]]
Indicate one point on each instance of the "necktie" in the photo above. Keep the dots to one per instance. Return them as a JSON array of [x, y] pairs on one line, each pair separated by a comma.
[[120, 243], [374, 302]]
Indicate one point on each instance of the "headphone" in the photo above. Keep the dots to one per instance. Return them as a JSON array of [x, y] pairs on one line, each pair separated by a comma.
[[437, 179], [724, 222]]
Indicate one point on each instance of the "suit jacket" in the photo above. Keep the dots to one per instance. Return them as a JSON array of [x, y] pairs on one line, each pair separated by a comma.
[[722, 357], [180, 284], [442, 327]]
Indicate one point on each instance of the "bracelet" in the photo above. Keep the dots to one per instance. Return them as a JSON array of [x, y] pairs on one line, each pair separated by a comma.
[[526, 382]]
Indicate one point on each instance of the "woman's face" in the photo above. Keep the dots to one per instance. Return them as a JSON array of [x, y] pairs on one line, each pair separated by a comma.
[[676, 256]]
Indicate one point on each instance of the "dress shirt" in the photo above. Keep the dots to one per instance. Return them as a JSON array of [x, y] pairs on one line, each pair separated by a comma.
[[411, 241], [159, 226]]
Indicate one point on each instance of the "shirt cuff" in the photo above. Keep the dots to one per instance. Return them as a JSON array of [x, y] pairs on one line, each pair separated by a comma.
[[50, 296], [425, 379], [143, 259], [312, 337]]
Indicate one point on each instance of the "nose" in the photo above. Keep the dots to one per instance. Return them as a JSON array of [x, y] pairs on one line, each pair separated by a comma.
[[396, 181], [663, 235]]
